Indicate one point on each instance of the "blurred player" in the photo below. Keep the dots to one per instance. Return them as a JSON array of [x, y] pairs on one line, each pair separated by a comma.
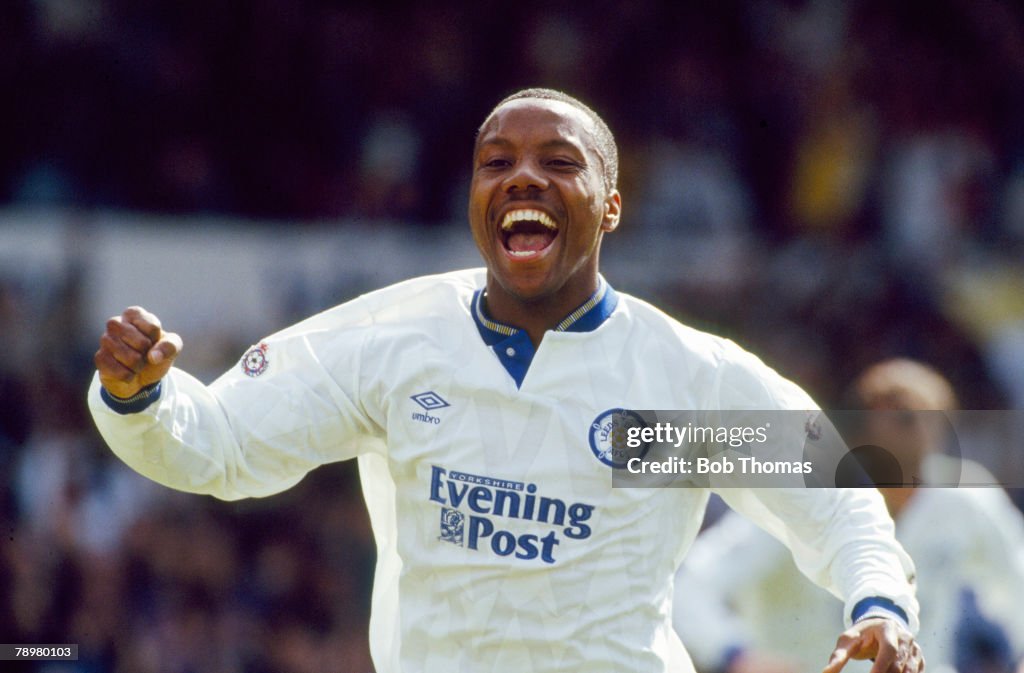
[[754, 611], [480, 405]]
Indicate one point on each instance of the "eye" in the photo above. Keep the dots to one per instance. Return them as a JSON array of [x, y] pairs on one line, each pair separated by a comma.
[[496, 162], [563, 163]]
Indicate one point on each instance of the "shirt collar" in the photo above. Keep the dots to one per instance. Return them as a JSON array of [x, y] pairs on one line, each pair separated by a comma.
[[587, 317]]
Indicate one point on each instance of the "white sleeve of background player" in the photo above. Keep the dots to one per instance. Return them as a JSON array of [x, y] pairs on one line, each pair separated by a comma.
[[724, 562], [842, 539], [253, 435], [997, 559]]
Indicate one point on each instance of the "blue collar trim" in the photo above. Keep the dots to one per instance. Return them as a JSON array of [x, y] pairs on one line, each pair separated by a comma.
[[513, 346], [586, 318]]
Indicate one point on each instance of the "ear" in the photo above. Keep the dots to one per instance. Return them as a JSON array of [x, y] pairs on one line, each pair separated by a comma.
[[612, 211]]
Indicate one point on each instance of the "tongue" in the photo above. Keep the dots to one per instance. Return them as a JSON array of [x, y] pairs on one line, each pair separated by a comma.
[[520, 242]]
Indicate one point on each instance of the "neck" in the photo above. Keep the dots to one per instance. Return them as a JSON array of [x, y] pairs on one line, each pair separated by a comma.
[[896, 499], [537, 315]]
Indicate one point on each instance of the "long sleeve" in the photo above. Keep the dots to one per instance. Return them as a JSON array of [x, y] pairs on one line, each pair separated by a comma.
[[842, 539], [292, 403]]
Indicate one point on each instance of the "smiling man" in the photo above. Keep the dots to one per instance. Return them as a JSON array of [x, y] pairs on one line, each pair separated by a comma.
[[543, 194], [478, 404]]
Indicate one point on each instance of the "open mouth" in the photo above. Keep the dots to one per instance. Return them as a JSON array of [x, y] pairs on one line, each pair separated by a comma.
[[527, 233]]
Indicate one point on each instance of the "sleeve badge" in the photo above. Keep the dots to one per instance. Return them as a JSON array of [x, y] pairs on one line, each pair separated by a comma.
[[255, 360]]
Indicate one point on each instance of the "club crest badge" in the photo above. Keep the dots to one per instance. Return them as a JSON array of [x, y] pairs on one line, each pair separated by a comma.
[[608, 433], [255, 361]]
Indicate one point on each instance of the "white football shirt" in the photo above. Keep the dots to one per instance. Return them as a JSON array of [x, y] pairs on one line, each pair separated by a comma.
[[502, 545]]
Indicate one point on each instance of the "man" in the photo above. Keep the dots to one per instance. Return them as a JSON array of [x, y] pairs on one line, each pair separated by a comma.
[[478, 405], [743, 606]]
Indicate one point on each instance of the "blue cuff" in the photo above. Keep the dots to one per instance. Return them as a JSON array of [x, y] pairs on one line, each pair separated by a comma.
[[876, 606], [135, 403]]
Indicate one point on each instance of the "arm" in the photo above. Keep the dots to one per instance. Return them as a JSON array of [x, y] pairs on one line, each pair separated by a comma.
[[705, 582], [842, 539], [245, 435], [996, 564], [726, 561]]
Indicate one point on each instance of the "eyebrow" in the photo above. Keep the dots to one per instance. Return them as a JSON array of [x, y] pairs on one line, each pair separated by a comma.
[[556, 143]]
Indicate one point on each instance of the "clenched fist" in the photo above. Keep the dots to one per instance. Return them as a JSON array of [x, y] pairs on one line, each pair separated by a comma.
[[134, 352]]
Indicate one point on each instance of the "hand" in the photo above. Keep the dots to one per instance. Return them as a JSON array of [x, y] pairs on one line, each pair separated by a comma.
[[134, 352], [891, 646]]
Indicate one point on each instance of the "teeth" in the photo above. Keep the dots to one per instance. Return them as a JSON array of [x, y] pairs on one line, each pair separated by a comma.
[[514, 216]]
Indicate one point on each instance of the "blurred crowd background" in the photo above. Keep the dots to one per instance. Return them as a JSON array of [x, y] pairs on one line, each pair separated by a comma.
[[828, 183]]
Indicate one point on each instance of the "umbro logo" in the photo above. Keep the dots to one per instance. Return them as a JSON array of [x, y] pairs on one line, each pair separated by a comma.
[[429, 401]]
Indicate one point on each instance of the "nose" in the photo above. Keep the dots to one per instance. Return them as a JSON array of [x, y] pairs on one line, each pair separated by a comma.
[[524, 176]]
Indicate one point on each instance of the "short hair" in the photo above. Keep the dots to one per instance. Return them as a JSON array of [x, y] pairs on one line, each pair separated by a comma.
[[901, 383], [603, 138]]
